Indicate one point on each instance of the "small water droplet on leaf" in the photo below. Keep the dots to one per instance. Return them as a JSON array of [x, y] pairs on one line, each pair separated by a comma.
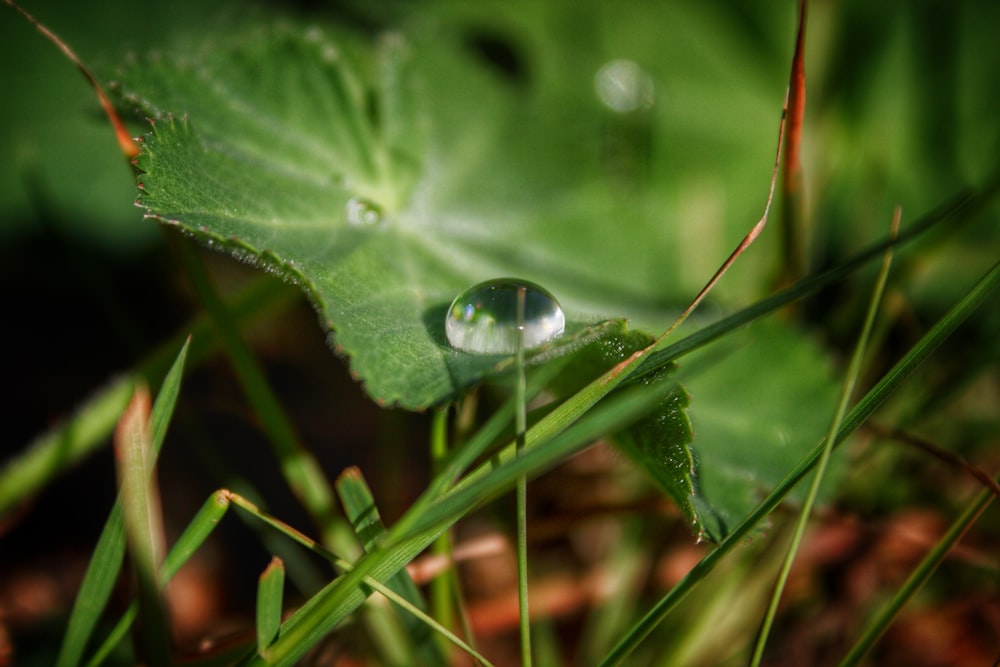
[[483, 319], [362, 212], [624, 86]]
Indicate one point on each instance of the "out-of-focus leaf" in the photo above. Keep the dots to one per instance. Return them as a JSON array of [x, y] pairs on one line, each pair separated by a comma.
[[757, 408]]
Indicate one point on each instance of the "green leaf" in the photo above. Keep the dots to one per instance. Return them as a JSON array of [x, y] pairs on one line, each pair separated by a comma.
[[385, 178], [291, 136], [759, 405], [270, 140], [660, 444]]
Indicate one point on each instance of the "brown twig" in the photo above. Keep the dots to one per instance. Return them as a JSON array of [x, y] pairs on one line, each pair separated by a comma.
[[796, 106], [796, 81], [125, 142], [793, 251], [938, 452]]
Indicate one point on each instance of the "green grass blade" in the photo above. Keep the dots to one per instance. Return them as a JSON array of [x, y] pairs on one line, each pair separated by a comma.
[[95, 590], [270, 592], [198, 530], [106, 562], [461, 458], [359, 506], [93, 421], [502, 472], [847, 390], [166, 400], [141, 512], [420, 615], [521, 493], [321, 613], [413, 610], [441, 587], [115, 637], [299, 468], [58, 450], [918, 578], [858, 415]]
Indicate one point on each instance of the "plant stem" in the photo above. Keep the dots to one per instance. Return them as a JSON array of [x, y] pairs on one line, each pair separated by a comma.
[[440, 587], [521, 426]]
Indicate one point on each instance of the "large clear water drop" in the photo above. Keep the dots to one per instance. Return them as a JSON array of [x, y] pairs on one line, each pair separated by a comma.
[[484, 319]]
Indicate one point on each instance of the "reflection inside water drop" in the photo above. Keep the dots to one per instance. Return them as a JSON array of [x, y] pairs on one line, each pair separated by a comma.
[[362, 212], [624, 86], [483, 319]]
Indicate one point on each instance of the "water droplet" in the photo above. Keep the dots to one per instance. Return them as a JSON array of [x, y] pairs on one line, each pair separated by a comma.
[[363, 212], [624, 86], [483, 319]]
